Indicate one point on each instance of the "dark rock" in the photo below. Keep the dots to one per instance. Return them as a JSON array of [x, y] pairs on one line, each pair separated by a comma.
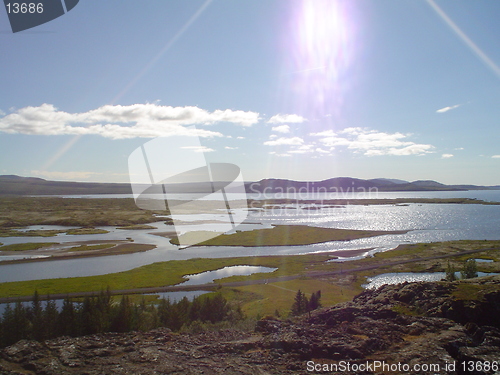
[[412, 323]]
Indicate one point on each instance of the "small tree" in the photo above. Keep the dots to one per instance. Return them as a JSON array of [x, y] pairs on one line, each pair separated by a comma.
[[450, 273], [300, 305], [315, 301], [470, 269]]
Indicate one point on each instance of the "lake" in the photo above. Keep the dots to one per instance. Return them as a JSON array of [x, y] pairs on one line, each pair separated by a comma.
[[425, 223]]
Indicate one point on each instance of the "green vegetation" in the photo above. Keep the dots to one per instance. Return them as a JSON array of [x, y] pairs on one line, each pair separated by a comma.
[[136, 227], [302, 304], [470, 269], [273, 203], [81, 231], [468, 291], [287, 235], [16, 212], [92, 247], [264, 299], [26, 246], [272, 298], [450, 273], [100, 314], [28, 233], [48, 232], [403, 309]]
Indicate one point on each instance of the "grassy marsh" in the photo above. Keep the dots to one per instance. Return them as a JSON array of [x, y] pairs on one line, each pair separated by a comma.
[[26, 246], [287, 235], [25, 211]]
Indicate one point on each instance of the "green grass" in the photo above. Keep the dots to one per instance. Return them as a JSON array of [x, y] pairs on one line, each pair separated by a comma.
[[29, 233], [18, 212], [472, 292], [26, 246], [284, 235], [136, 227], [92, 247], [80, 231], [265, 299]]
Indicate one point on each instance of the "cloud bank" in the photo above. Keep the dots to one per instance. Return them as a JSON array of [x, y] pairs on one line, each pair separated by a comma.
[[281, 129], [120, 122], [372, 142], [280, 119]]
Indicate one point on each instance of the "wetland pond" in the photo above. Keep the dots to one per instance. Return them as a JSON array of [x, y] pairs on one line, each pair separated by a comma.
[[400, 277], [424, 222]]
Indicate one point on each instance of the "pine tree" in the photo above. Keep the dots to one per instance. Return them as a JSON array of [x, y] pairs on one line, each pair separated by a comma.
[[300, 305], [20, 322], [165, 312], [314, 302], [9, 330], [122, 321], [66, 321], [50, 318], [35, 315]]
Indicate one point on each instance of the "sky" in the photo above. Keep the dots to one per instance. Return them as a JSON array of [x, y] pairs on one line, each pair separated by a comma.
[[303, 90]]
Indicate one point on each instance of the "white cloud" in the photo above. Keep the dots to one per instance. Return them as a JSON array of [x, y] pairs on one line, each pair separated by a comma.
[[280, 155], [2, 113], [372, 142], [496, 156], [280, 119], [118, 122], [240, 137], [447, 156], [321, 151], [294, 141], [199, 148], [230, 148], [304, 149], [446, 109], [281, 129], [326, 133]]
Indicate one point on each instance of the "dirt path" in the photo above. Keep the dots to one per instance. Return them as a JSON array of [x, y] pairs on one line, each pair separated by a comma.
[[212, 286]]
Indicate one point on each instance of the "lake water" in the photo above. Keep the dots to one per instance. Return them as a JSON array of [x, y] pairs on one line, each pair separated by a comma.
[[401, 277], [487, 195], [209, 276], [425, 223]]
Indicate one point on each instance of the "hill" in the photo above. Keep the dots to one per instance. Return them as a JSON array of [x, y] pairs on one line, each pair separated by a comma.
[[17, 185]]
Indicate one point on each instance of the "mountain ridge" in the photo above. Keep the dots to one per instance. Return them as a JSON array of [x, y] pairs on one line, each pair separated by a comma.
[[18, 185]]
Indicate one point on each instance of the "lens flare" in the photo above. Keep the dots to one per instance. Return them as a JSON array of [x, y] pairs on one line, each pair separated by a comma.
[[321, 35], [468, 42]]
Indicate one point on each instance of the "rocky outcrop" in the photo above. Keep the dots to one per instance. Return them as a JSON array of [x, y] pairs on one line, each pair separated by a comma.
[[413, 324]]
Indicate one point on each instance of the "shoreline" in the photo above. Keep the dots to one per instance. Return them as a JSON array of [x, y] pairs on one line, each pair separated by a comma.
[[307, 268], [120, 247], [358, 268], [21, 211]]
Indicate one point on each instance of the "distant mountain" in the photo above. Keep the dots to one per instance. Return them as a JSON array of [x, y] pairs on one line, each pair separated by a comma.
[[394, 180], [16, 185], [348, 184]]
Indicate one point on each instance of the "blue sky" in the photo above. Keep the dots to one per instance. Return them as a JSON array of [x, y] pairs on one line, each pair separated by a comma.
[[305, 90]]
